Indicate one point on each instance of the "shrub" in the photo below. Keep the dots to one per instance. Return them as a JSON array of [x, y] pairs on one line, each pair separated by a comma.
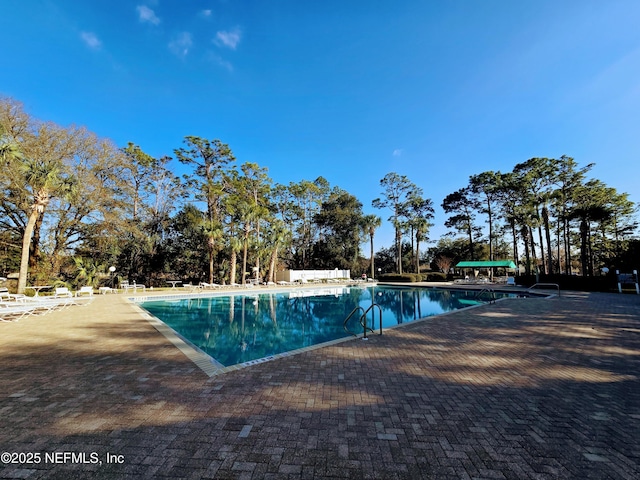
[[396, 277], [435, 277]]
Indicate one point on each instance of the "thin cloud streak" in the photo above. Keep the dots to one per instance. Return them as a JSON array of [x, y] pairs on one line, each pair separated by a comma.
[[218, 60], [91, 40], [145, 14], [229, 39], [181, 44]]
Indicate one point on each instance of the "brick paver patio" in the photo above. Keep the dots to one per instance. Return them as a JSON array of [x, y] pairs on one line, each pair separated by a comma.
[[525, 388]]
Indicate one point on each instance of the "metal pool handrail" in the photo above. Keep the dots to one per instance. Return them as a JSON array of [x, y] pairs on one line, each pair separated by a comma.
[[344, 324], [363, 320], [490, 291], [545, 285]]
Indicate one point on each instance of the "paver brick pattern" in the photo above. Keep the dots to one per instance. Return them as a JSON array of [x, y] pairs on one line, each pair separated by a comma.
[[521, 389]]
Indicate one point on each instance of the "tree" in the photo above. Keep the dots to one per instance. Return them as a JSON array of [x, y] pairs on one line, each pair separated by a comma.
[[623, 219], [42, 173], [9, 150], [44, 179], [418, 211], [396, 191], [455, 249], [444, 263], [278, 237], [257, 185], [369, 224], [304, 201], [568, 178], [339, 220], [539, 175], [463, 207], [507, 196], [486, 187], [591, 206], [210, 159], [186, 243]]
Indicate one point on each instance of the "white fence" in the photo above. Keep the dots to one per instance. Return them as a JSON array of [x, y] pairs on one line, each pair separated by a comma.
[[309, 275]]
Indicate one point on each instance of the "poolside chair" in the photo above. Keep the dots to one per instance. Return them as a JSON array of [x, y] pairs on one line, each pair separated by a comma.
[[511, 281], [81, 301], [6, 296], [47, 304], [138, 285], [85, 290], [126, 286], [62, 292], [13, 312]]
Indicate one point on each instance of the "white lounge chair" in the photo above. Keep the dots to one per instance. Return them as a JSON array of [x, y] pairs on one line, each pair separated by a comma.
[[11, 312], [62, 292], [6, 296], [85, 290], [126, 286], [47, 304]]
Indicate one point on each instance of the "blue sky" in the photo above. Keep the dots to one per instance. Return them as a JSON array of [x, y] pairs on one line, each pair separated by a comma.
[[350, 90]]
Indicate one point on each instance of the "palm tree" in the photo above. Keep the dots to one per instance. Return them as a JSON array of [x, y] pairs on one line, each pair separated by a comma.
[[9, 150], [278, 236], [418, 212], [235, 245], [369, 225], [422, 226], [213, 232], [44, 179]]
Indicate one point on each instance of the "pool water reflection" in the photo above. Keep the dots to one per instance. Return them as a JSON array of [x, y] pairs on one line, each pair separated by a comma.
[[239, 328]]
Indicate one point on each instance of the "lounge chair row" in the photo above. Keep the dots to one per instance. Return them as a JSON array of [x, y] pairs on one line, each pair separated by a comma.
[[26, 306], [214, 286]]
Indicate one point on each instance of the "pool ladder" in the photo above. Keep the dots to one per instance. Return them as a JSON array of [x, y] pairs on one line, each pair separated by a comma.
[[490, 291], [363, 320]]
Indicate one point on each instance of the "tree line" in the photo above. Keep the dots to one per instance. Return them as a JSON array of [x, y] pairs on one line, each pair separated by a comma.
[[74, 204], [558, 221]]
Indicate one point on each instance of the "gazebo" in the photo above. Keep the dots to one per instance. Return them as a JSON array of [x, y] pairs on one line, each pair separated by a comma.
[[489, 264]]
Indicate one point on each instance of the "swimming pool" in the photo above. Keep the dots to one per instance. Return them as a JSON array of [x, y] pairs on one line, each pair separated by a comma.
[[239, 328]]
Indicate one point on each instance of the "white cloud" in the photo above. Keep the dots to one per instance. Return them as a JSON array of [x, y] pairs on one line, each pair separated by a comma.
[[397, 152], [91, 40], [228, 39], [206, 13], [218, 60], [145, 14], [181, 44]]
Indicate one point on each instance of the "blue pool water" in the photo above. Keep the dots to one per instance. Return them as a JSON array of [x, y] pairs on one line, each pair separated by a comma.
[[239, 328]]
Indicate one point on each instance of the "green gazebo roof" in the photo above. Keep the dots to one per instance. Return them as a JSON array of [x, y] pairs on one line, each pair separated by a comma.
[[487, 264]]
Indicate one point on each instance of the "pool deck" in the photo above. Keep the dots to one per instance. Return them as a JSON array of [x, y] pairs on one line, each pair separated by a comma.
[[525, 388]]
